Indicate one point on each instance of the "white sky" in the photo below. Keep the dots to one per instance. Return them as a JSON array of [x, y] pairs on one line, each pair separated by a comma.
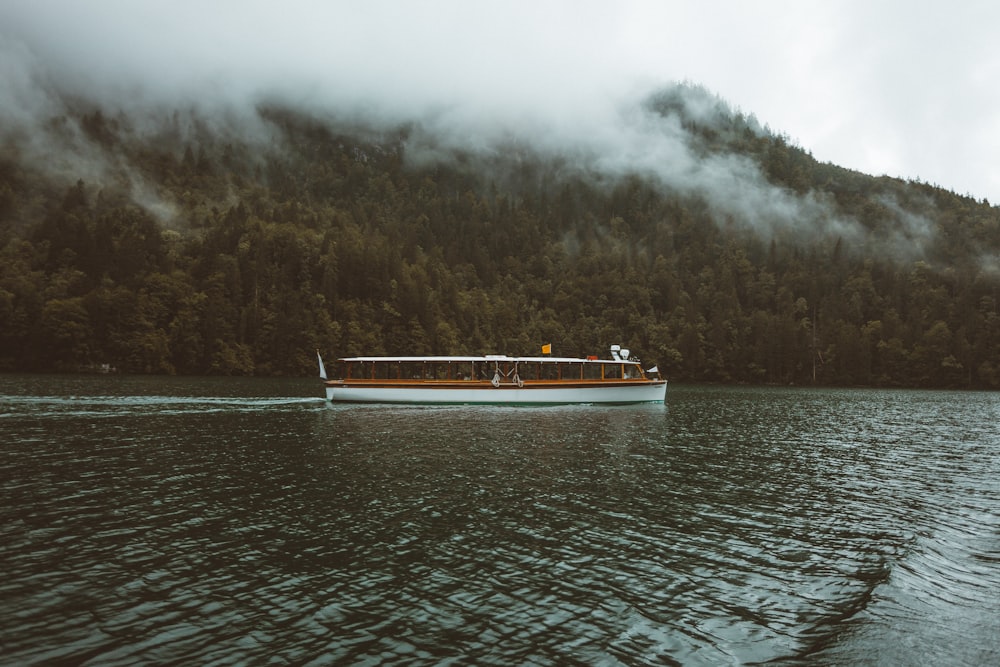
[[908, 89]]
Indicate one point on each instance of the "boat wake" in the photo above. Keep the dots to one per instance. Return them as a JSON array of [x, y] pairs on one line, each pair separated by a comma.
[[116, 406]]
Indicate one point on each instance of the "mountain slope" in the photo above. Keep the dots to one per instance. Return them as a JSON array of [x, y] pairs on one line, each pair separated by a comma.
[[180, 242]]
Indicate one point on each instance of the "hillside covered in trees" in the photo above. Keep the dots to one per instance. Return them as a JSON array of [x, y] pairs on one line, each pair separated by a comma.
[[185, 243]]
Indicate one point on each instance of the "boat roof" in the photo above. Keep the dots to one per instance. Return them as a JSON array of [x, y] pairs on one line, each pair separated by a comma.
[[493, 357]]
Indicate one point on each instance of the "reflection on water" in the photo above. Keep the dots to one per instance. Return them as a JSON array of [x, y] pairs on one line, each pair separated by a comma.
[[146, 520]]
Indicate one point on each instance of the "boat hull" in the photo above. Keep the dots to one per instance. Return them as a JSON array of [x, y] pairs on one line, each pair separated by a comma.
[[484, 393]]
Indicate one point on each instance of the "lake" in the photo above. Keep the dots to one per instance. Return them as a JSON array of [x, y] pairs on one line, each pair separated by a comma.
[[221, 521]]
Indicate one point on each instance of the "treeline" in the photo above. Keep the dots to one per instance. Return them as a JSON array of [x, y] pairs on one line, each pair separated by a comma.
[[243, 258]]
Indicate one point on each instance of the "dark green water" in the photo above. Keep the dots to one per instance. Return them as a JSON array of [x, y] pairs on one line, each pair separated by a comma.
[[211, 522]]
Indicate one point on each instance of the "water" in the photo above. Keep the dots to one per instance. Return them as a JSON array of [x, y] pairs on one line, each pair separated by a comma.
[[213, 522]]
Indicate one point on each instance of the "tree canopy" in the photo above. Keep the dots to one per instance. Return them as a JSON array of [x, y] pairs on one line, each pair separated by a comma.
[[198, 251]]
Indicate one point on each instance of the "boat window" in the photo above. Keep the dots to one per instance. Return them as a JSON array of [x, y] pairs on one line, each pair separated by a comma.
[[436, 370], [386, 370], [571, 371], [548, 371], [592, 371], [411, 370], [462, 370], [484, 370], [360, 370]]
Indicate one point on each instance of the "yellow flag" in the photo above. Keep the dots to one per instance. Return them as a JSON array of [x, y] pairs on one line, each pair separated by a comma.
[[547, 348]]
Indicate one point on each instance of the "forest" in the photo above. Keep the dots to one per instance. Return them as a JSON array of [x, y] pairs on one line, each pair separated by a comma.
[[176, 246]]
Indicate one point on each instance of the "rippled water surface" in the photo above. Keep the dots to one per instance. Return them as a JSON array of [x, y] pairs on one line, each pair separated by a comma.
[[152, 520]]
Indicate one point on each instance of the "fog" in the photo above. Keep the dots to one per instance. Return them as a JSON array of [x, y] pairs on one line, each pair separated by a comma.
[[563, 78]]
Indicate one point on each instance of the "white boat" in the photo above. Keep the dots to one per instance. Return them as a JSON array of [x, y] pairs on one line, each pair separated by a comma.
[[495, 380]]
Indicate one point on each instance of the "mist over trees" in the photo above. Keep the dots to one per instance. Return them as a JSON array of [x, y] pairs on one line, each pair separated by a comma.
[[724, 253]]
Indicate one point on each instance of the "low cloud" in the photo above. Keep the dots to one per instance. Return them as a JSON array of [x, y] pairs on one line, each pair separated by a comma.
[[500, 79]]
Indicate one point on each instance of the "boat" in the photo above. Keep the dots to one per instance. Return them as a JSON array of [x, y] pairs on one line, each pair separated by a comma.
[[495, 380]]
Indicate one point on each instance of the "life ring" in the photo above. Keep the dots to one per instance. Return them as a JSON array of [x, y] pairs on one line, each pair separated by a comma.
[[496, 380]]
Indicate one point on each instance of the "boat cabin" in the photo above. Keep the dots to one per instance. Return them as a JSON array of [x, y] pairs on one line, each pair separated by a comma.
[[486, 369]]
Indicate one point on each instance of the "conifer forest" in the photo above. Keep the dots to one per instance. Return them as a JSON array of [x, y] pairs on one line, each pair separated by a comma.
[[179, 243]]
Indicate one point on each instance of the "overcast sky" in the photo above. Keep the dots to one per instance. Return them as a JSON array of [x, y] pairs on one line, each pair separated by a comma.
[[908, 89]]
